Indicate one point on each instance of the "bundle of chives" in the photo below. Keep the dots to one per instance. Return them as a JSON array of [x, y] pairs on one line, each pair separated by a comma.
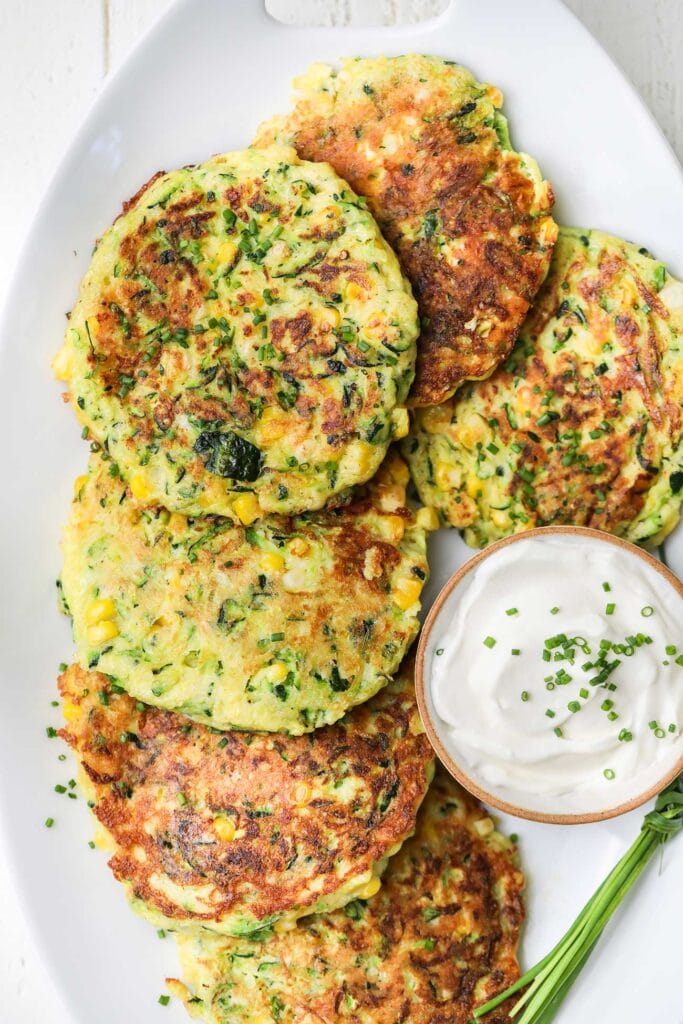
[[551, 978]]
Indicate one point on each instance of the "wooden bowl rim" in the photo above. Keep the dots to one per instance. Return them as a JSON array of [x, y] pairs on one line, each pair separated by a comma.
[[420, 688]]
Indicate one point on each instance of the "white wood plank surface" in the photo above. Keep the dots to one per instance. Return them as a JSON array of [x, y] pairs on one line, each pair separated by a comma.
[[54, 55]]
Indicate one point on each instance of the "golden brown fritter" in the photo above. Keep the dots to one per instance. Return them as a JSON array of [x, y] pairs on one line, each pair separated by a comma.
[[244, 339], [439, 939], [280, 626], [584, 423], [234, 831], [469, 217]]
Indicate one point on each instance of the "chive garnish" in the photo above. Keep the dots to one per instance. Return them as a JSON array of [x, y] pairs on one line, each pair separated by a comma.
[[182, 799], [514, 611], [51, 732], [609, 609], [670, 649], [60, 789], [164, 1000], [489, 642], [549, 713], [554, 611], [558, 731], [515, 650], [49, 822], [525, 695], [574, 706], [610, 774], [547, 983], [606, 587], [439, 651], [647, 611]]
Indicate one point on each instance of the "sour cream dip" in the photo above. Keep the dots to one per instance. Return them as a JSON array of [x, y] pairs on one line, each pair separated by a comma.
[[553, 673]]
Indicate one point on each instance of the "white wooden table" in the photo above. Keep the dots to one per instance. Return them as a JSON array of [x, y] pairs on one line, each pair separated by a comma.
[[54, 56]]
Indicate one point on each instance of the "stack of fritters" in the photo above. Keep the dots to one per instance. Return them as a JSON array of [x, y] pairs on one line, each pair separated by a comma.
[[243, 567]]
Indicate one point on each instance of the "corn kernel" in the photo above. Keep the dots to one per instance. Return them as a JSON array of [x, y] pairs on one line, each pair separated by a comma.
[[276, 672], [499, 518], [301, 793], [272, 426], [331, 316], [484, 827], [272, 561], [427, 519], [70, 711], [396, 469], [285, 924], [102, 608], [100, 632], [400, 423], [79, 484], [371, 889], [140, 486], [354, 292], [443, 474], [299, 547], [433, 419], [406, 592], [226, 252], [395, 527], [376, 328], [473, 485], [62, 364], [246, 508], [224, 829], [177, 523], [363, 457]]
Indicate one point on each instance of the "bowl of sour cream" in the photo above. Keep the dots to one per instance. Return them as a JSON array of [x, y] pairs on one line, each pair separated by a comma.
[[549, 675]]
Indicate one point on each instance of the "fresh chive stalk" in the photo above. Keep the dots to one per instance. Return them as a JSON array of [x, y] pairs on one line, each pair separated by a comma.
[[550, 979]]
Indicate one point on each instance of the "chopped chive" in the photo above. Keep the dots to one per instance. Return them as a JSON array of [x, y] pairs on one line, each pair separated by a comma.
[[546, 655], [514, 611], [625, 736], [51, 732], [609, 774], [606, 705], [223, 743], [606, 587], [490, 642], [558, 731], [659, 733], [652, 724], [549, 713], [609, 609], [583, 692], [61, 757], [60, 789], [574, 706], [550, 685], [525, 695], [182, 799], [679, 659], [672, 727], [164, 1000], [161, 933], [670, 649], [49, 822], [91, 844], [515, 650], [554, 611], [647, 611], [612, 716], [439, 651]]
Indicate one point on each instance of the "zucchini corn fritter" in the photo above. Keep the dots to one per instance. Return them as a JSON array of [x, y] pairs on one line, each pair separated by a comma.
[[233, 832], [469, 217], [439, 939], [280, 626], [244, 340], [584, 422]]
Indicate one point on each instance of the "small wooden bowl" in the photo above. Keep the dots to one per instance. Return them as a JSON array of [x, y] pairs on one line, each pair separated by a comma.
[[420, 684]]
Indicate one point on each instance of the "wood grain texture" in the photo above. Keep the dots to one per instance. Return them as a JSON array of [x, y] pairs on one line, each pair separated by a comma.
[[53, 59]]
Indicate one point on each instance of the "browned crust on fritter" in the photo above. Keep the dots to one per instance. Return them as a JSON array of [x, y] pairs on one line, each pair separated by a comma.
[[482, 198], [162, 781], [438, 940]]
